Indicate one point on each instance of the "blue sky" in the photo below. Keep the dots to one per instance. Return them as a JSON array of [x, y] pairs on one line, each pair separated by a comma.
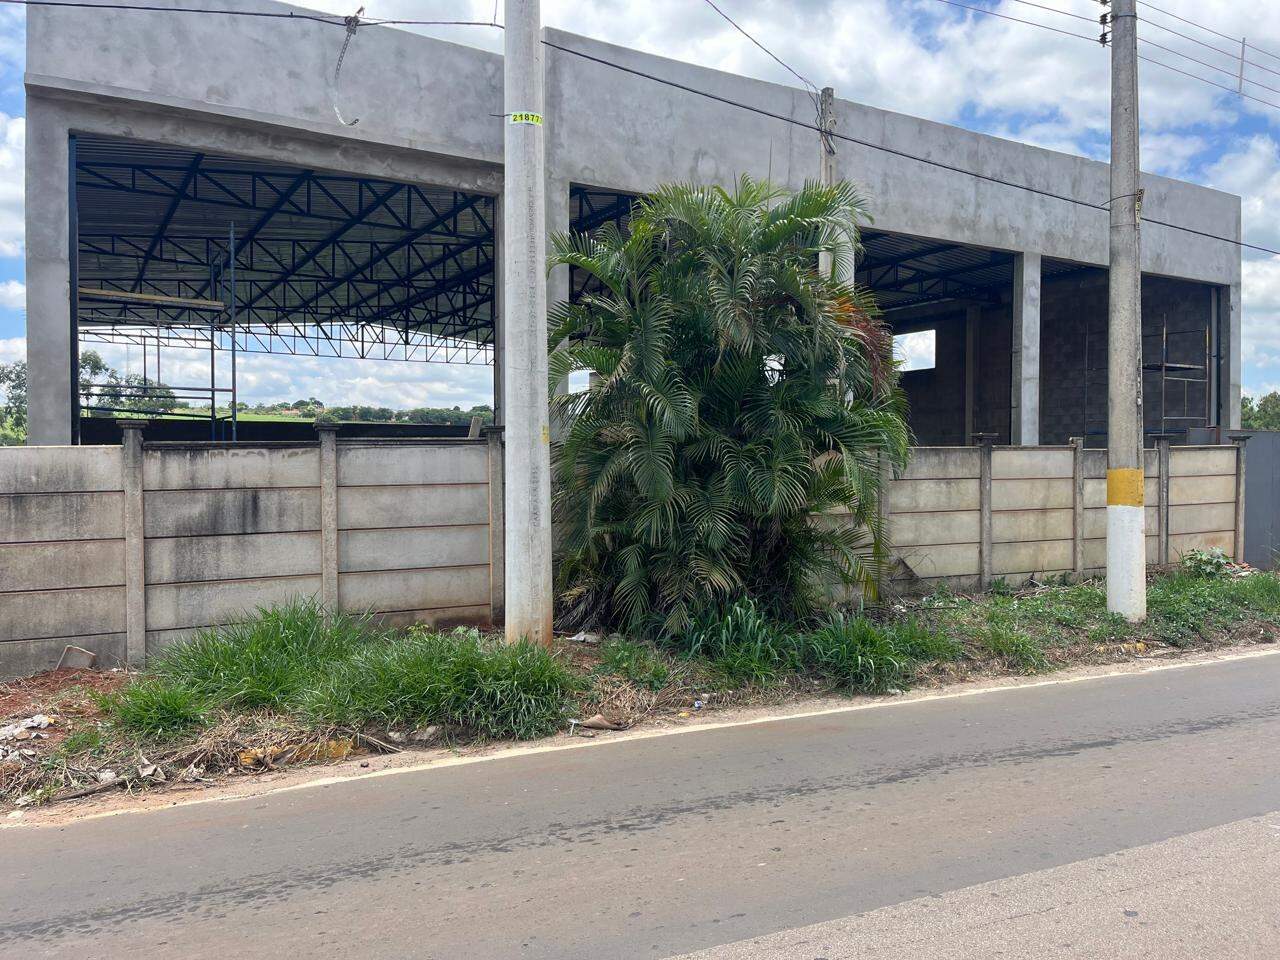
[[921, 57]]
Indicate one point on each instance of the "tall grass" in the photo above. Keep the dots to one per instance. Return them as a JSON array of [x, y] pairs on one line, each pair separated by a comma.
[[343, 670], [852, 652], [479, 687], [266, 660]]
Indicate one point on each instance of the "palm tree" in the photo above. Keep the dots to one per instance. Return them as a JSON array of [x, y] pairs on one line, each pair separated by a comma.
[[739, 399]]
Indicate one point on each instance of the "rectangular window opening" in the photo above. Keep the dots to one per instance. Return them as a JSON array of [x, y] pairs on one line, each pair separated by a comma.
[[915, 350]]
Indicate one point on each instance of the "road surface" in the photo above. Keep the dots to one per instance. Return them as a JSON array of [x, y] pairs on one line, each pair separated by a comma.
[[1132, 814]]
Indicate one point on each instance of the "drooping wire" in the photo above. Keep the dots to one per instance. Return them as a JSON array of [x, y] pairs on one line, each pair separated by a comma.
[[352, 24], [811, 88]]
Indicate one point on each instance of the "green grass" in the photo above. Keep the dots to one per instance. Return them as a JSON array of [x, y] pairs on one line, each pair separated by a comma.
[[633, 661], [481, 687], [853, 653], [156, 709], [83, 740], [267, 660], [340, 670]]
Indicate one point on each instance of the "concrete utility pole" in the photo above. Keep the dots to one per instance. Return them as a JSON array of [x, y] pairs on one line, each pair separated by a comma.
[[527, 460], [1126, 502], [826, 158]]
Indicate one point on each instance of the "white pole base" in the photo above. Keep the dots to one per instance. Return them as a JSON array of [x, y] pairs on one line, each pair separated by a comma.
[[1127, 562]]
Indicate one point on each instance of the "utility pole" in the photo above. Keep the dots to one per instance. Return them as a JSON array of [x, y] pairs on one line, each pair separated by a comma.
[[527, 457], [1126, 506], [826, 158]]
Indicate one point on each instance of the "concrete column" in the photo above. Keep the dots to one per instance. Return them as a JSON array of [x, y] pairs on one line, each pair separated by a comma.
[[558, 211], [50, 344], [972, 319], [1026, 350], [328, 515], [1231, 314], [527, 470], [135, 555], [1077, 502]]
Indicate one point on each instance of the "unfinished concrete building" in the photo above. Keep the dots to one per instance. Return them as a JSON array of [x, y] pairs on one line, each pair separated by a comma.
[[157, 142], [190, 187]]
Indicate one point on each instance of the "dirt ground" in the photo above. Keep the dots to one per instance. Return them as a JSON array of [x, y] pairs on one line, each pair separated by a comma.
[[674, 721]]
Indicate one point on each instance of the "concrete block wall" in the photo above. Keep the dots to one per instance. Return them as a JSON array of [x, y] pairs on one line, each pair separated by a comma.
[[221, 530], [124, 549], [965, 517]]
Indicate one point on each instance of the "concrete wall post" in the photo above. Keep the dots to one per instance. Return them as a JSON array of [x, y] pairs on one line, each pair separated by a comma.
[[497, 540], [135, 541], [986, 443], [1239, 440], [1025, 401], [1162, 502], [328, 515], [1077, 503]]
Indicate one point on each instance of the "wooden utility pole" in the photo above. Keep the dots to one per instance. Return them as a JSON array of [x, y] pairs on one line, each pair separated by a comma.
[[1126, 501]]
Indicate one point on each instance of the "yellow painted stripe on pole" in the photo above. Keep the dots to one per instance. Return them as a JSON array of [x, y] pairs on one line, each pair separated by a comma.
[[1125, 487]]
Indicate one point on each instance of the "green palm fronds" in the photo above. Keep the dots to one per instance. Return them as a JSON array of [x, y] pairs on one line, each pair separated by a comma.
[[742, 406]]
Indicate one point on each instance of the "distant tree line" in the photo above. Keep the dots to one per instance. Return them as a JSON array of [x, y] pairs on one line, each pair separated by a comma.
[[102, 386], [1260, 414]]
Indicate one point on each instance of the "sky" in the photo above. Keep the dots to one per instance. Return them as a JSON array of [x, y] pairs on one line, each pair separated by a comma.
[[928, 58]]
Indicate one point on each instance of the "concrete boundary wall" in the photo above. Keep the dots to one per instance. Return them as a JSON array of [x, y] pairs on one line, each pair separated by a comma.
[[965, 517], [124, 549]]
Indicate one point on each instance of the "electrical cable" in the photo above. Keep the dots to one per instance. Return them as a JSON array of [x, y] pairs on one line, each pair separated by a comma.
[[890, 150], [1230, 73], [344, 23], [331, 20], [1233, 55], [1030, 23]]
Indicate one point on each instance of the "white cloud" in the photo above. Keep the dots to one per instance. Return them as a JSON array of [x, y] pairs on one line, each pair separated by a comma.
[[13, 295], [1253, 172], [269, 378], [12, 177], [13, 348]]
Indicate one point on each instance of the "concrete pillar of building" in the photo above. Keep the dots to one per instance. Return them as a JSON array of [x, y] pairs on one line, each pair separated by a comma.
[[51, 345], [558, 279], [1025, 400], [1231, 314], [972, 319]]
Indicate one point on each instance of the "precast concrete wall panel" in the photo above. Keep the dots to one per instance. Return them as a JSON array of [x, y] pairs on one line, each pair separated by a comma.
[[227, 529]]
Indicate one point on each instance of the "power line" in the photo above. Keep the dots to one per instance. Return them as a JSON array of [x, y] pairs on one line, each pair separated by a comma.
[[809, 85], [1195, 76], [890, 150], [1030, 23], [1231, 73], [1235, 57], [1201, 26], [331, 20], [344, 21]]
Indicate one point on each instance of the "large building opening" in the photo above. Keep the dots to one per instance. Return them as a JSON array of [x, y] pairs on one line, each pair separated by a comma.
[[190, 265]]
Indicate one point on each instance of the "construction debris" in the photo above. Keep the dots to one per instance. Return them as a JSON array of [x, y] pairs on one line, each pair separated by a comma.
[[76, 658]]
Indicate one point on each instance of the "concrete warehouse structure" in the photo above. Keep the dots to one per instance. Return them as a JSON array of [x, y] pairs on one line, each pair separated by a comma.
[[157, 141]]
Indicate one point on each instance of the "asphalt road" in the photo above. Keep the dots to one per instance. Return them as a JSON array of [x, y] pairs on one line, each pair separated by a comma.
[[651, 848]]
